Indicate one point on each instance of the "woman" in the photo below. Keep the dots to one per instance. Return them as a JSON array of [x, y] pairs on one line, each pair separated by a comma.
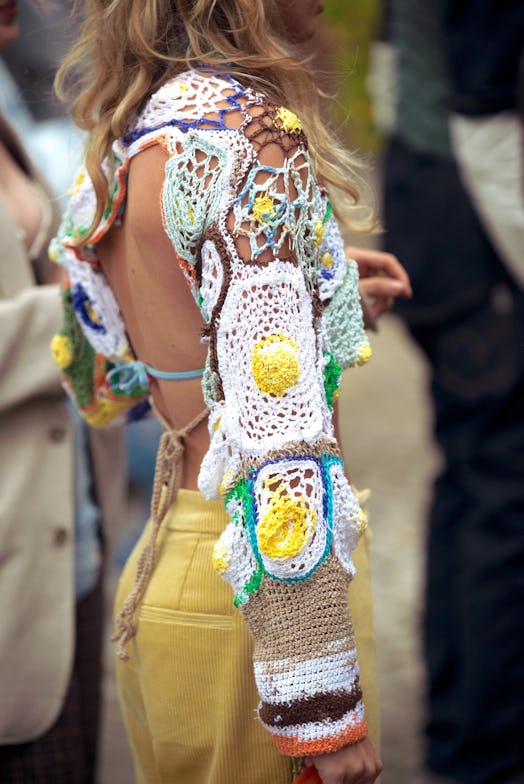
[[190, 106]]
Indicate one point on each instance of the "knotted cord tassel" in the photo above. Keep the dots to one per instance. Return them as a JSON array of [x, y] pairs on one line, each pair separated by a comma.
[[165, 487]]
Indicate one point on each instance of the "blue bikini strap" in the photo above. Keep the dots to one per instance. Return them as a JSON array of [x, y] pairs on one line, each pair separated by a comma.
[[131, 377], [175, 375]]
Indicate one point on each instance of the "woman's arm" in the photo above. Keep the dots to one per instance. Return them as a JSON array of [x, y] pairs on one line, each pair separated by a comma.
[[382, 279], [294, 519]]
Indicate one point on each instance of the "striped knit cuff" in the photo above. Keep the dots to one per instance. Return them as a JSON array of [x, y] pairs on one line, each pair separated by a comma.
[[344, 735], [324, 715], [305, 662]]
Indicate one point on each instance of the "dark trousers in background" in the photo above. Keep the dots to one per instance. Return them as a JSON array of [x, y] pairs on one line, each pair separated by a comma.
[[467, 316], [67, 752]]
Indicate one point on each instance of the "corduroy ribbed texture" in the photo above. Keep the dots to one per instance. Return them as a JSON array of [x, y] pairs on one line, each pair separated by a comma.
[[188, 692]]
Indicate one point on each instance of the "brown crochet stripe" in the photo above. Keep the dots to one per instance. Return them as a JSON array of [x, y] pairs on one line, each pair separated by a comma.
[[314, 611], [324, 446], [210, 330], [264, 129], [319, 707]]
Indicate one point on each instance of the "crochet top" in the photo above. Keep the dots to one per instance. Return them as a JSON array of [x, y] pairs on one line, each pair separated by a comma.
[[282, 321]]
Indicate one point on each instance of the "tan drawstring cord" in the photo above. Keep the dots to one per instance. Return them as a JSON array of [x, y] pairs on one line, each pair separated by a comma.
[[165, 486]]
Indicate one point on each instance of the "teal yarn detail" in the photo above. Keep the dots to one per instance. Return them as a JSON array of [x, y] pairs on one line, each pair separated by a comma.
[[252, 519], [128, 380], [332, 373], [344, 322], [192, 192], [208, 382]]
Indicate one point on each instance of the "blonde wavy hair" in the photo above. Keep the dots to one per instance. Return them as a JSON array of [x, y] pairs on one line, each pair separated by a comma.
[[128, 48]]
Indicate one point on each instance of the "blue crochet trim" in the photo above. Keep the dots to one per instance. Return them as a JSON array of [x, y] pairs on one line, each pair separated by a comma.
[[138, 412], [202, 123], [84, 310]]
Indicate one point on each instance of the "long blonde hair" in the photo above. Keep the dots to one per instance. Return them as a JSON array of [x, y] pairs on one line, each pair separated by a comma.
[[128, 48]]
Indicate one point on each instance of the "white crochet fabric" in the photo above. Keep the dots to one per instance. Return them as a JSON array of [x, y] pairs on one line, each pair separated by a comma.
[[256, 238]]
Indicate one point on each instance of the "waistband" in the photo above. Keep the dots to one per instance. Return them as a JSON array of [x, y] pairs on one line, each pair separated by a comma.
[[190, 511]]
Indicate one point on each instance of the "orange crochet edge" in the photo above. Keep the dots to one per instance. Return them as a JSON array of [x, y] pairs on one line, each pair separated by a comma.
[[308, 776], [292, 746]]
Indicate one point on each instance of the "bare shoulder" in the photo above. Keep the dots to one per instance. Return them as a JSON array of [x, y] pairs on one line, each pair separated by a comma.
[[145, 182]]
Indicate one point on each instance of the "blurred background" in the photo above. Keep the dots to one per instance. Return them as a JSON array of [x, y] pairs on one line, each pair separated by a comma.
[[385, 412]]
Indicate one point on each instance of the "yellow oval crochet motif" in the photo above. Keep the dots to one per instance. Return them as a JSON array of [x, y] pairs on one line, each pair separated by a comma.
[[327, 260], [319, 233], [362, 522], [103, 411], [286, 528], [275, 364], [364, 353], [77, 184], [62, 351], [288, 120], [221, 556]]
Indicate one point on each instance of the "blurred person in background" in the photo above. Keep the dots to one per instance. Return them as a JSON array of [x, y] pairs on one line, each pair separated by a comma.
[[59, 486], [454, 213], [27, 70]]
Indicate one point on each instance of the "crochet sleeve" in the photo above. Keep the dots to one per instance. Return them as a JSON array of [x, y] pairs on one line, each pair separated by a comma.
[[256, 235]]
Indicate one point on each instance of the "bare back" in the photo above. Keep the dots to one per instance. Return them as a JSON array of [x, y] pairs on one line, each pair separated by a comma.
[[162, 319]]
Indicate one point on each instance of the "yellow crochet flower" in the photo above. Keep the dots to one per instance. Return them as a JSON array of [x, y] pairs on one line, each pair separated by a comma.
[[364, 354], [221, 556], [62, 351], [327, 260], [319, 233], [288, 120], [77, 184], [286, 528], [275, 364], [105, 410], [363, 522], [264, 208]]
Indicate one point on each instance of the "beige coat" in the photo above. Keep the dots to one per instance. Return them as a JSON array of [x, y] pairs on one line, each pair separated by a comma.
[[36, 499]]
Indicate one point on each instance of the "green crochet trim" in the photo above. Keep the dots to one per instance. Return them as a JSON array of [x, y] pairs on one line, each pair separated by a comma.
[[332, 373], [241, 492], [251, 587], [80, 371]]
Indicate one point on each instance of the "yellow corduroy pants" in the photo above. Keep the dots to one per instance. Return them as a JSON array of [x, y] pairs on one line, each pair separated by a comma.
[[187, 692]]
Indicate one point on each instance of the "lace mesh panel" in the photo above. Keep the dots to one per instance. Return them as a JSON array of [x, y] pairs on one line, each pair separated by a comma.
[[192, 191], [267, 358], [255, 236]]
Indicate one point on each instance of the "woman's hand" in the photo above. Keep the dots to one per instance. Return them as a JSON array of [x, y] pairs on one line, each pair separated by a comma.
[[355, 764], [382, 278]]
